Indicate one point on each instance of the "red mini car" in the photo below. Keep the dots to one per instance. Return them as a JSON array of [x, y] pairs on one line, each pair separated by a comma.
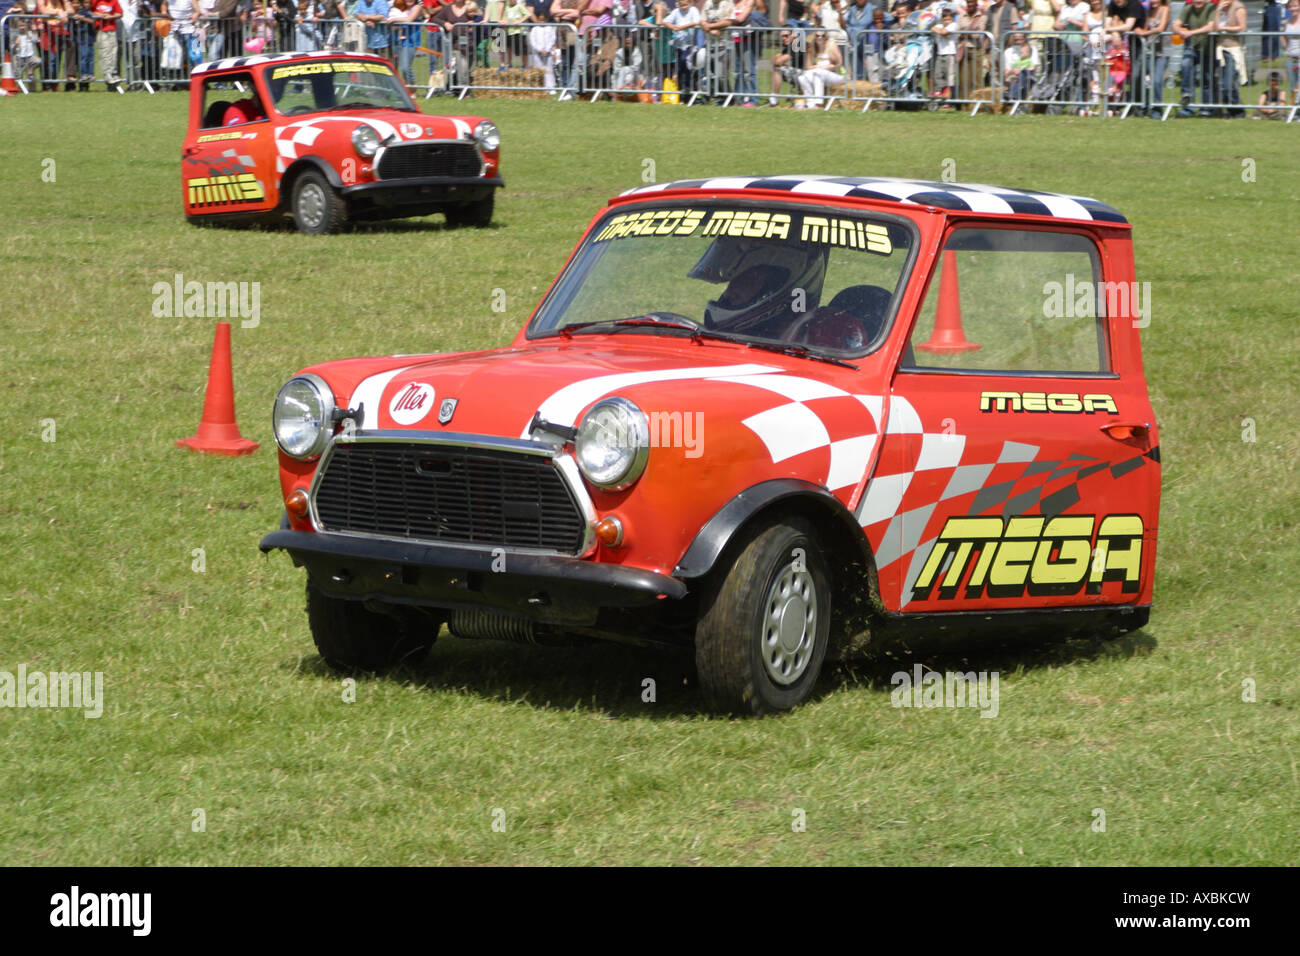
[[325, 138], [774, 418]]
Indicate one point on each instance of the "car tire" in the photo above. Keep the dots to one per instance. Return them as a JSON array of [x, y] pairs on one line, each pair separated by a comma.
[[477, 214], [351, 637], [316, 208], [763, 630]]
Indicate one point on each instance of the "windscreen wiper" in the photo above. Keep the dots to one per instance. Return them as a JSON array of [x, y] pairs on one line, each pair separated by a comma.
[[785, 348]]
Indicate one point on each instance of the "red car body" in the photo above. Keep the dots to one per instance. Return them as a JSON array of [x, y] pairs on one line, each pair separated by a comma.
[[933, 494], [257, 124]]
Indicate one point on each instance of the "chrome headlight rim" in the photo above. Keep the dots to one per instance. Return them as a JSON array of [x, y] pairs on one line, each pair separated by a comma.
[[633, 426], [325, 426], [365, 140], [487, 136]]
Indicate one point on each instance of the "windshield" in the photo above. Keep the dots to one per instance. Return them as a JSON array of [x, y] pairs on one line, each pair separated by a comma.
[[819, 279], [336, 85]]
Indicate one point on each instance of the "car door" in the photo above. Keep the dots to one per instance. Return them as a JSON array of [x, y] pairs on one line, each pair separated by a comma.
[[228, 169], [1021, 441]]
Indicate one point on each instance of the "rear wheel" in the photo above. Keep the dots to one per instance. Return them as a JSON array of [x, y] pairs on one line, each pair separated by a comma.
[[317, 209], [761, 640], [351, 637], [477, 214]]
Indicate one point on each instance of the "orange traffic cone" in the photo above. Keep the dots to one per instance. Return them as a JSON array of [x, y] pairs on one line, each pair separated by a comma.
[[7, 85], [218, 434], [948, 336]]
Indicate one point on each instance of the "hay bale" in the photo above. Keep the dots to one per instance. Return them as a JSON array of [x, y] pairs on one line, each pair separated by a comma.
[[854, 92], [985, 93], [512, 83]]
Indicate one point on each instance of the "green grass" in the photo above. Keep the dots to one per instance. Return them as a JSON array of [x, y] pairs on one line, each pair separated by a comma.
[[216, 699]]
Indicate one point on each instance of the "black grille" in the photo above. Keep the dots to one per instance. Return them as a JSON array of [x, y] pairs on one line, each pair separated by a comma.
[[450, 494], [429, 159]]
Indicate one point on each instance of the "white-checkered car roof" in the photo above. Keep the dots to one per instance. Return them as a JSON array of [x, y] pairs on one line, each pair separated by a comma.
[[964, 197], [236, 62]]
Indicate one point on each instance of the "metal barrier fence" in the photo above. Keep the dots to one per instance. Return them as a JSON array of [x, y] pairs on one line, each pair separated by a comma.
[[1109, 74], [901, 68]]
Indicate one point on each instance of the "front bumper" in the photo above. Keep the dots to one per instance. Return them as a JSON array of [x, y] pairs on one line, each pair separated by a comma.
[[424, 190], [552, 590]]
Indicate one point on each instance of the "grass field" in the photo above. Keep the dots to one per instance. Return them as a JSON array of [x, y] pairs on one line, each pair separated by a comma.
[[216, 701]]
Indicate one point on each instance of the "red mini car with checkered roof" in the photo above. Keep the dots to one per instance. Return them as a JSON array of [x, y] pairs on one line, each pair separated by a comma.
[[777, 418], [327, 138]]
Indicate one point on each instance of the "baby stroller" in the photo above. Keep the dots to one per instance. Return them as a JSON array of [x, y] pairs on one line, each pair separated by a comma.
[[908, 61], [1063, 81]]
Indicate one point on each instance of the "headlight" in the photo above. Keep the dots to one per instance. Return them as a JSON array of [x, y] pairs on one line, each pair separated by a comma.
[[487, 136], [303, 414], [365, 140], [613, 443]]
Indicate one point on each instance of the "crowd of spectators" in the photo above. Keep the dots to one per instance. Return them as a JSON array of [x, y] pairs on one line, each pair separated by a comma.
[[1056, 51]]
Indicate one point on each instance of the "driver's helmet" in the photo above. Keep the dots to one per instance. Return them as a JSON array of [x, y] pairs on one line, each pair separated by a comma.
[[761, 278]]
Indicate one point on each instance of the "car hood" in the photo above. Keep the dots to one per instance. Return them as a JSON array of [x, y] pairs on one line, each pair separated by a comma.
[[400, 124], [498, 392]]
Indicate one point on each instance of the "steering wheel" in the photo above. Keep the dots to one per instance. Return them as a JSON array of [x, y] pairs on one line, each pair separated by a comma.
[[829, 327], [294, 111]]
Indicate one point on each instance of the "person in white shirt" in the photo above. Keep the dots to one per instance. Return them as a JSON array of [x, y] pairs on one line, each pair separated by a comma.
[[944, 73], [827, 70], [684, 22]]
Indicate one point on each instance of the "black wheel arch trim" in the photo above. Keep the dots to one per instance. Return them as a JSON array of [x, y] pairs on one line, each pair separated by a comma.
[[719, 530], [312, 162]]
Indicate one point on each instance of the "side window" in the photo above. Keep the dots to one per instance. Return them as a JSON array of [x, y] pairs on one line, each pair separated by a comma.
[[231, 100], [1007, 300]]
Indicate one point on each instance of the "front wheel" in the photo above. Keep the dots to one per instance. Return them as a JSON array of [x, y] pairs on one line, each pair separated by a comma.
[[317, 208], [761, 641], [477, 214], [351, 637]]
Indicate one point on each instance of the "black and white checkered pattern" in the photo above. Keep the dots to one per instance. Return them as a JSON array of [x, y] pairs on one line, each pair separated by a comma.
[[237, 62], [965, 197]]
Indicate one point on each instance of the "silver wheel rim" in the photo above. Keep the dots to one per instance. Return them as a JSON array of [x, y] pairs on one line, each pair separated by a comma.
[[311, 205], [789, 625]]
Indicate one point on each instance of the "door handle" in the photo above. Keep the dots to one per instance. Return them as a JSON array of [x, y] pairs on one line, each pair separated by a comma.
[[1123, 431], [191, 150]]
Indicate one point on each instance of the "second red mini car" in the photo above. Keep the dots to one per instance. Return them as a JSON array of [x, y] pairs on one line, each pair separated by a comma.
[[773, 418], [328, 138]]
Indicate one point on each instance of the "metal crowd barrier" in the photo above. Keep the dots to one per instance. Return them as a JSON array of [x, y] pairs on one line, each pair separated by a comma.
[[896, 68], [1086, 79], [524, 59]]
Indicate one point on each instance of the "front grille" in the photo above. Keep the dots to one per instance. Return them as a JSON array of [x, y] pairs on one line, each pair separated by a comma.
[[411, 160], [449, 494]]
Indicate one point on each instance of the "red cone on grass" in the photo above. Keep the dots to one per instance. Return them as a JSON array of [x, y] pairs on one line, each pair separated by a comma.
[[218, 434], [948, 337], [7, 84]]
